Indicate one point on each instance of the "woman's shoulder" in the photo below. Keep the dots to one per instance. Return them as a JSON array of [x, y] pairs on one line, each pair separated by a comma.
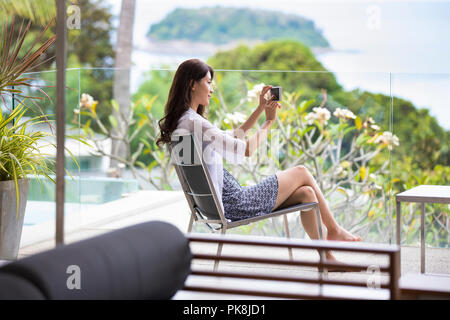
[[188, 114], [192, 116]]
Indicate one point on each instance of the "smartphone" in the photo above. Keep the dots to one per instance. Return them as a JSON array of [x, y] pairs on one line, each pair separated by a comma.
[[275, 93]]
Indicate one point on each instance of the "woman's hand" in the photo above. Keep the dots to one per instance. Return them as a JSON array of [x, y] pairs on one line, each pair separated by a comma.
[[271, 110], [263, 101], [269, 106]]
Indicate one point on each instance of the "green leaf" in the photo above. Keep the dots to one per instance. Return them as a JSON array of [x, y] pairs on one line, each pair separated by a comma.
[[146, 143], [86, 127], [301, 132], [362, 139], [141, 164], [152, 165], [113, 121], [115, 105], [149, 104], [348, 130], [79, 139], [304, 105]]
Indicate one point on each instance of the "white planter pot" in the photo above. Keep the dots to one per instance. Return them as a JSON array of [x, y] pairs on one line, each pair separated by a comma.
[[11, 222]]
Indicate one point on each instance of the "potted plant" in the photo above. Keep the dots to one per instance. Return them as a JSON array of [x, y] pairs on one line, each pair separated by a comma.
[[20, 153]]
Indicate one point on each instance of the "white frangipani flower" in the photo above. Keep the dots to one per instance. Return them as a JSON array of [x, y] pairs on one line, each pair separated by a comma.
[[234, 118], [255, 92], [320, 114], [341, 172], [370, 123], [370, 120], [344, 114], [86, 101], [387, 138]]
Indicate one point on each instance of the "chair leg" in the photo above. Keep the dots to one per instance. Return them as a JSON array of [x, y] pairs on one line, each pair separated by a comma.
[[191, 223], [219, 252], [319, 226], [319, 222], [288, 235]]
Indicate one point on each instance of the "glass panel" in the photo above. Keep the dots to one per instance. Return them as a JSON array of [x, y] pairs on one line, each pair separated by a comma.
[[345, 136], [423, 156], [39, 222], [334, 138]]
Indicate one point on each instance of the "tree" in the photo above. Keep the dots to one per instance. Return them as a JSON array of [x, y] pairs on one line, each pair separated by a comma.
[[284, 55], [222, 25], [122, 72], [38, 11], [91, 44]]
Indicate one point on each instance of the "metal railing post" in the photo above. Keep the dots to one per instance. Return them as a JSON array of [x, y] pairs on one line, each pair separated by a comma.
[[61, 53]]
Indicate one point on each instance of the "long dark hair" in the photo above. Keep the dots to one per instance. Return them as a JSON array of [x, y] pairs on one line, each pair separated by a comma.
[[180, 96]]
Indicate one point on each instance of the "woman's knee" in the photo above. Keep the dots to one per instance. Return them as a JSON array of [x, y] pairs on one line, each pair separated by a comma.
[[303, 173], [307, 193]]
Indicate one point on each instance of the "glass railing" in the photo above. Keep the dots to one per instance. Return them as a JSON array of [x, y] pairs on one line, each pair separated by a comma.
[[363, 143], [423, 158]]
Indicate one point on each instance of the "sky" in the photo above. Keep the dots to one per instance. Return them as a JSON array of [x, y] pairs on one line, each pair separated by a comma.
[[395, 27]]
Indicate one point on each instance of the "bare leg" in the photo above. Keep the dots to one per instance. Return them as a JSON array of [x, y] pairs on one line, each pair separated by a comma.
[[302, 195], [309, 221], [290, 180]]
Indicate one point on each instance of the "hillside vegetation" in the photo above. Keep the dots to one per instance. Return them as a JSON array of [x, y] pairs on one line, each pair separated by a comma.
[[220, 25], [424, 143]]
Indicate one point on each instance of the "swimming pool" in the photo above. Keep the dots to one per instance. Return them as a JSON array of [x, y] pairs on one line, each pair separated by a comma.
[[81, 193]]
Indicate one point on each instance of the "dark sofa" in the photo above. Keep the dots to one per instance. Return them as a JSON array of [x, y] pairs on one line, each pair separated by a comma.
[[146, 261]]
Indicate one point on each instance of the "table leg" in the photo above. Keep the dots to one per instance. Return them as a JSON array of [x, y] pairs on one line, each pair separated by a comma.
[[399, 210], [422, 239], [398, 223]]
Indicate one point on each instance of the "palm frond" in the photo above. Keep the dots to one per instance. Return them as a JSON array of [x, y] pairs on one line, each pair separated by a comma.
[[12, 67], [38, 11]]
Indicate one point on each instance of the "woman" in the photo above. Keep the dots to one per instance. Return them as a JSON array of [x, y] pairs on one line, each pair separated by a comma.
[[189, 94]]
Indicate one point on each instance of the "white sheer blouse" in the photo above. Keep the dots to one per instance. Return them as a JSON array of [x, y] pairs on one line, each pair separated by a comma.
[[216, 144]]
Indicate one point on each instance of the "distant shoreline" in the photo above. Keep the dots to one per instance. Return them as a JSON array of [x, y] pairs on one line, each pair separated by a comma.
[[186, 47]]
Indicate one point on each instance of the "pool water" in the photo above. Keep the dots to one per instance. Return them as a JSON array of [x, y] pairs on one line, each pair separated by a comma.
[[42, 211], [80, 193]]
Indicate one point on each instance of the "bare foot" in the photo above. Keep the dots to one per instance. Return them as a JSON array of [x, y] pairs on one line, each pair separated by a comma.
[[342, 235], [329, 257]]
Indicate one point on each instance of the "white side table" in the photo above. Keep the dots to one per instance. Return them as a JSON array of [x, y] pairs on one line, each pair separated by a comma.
[[421, 194]]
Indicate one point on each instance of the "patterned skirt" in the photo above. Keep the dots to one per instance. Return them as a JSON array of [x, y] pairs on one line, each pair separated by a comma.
[[246, 202]]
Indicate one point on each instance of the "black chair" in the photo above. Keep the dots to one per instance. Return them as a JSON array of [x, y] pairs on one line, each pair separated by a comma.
[[187, 158]]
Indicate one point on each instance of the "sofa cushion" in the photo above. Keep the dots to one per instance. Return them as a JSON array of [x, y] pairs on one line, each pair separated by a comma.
[[145, 261], [13, 287]]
